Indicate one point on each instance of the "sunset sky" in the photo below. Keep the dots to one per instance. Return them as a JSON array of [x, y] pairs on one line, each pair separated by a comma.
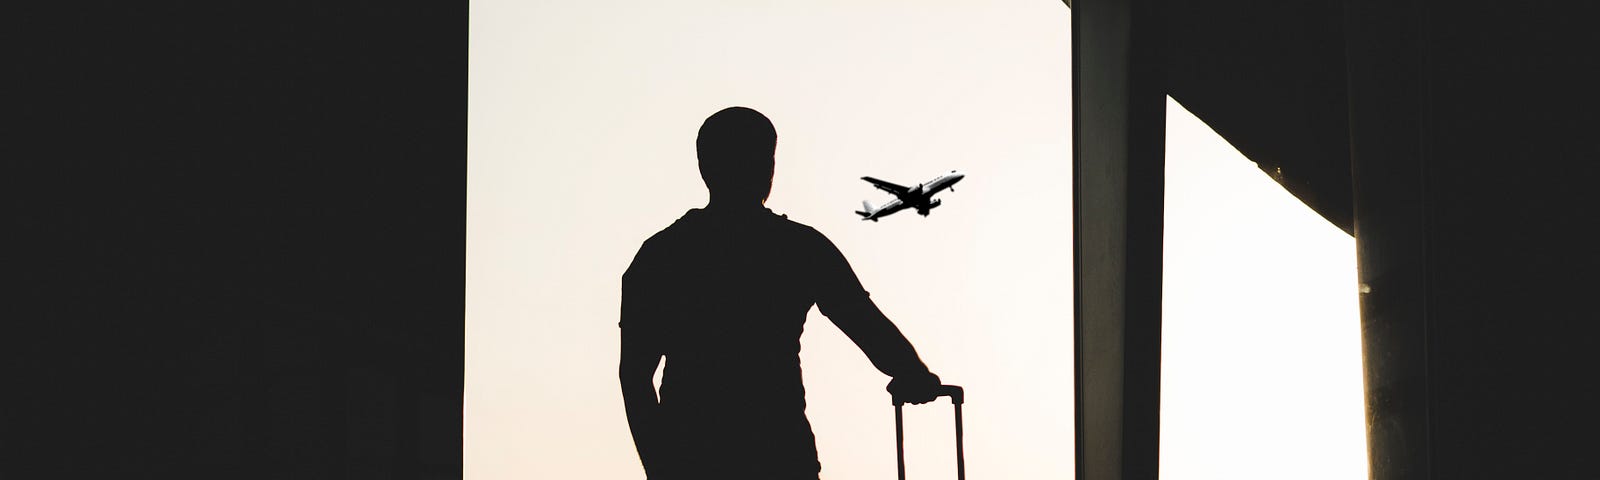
[[582, 119]]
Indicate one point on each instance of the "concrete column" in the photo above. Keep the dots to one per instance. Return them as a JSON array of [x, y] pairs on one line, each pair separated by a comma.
[[1119, 115], [1384, 47]]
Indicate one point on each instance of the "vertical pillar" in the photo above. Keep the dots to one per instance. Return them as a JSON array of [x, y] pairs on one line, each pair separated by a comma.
[[1385, 55], [1119, 121]]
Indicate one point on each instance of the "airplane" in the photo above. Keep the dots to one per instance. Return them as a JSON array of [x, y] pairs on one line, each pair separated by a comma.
[[919, 197]]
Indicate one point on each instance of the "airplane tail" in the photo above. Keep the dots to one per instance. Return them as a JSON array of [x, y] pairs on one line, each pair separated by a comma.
[[865, 211]]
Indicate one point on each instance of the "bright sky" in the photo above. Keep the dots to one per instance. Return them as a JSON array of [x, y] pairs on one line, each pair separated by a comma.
[[1261, 340], [582, 117]]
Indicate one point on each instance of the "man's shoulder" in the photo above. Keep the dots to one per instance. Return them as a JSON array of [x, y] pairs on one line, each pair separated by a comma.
[[663, 239], [677, 229]]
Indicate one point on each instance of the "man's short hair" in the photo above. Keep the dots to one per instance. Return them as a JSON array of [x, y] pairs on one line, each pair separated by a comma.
[[735, 147]]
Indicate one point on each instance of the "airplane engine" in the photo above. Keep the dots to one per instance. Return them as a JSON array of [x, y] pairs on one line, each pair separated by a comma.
[[924, 209]]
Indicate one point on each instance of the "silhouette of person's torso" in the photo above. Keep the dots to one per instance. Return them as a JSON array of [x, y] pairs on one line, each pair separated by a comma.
[[723, 294], [726, 294]]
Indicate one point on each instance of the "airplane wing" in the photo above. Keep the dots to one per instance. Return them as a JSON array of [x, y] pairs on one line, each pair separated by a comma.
[[886, 186]]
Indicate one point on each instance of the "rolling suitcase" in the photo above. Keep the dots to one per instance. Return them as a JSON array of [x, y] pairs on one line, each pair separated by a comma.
[[956, 397]]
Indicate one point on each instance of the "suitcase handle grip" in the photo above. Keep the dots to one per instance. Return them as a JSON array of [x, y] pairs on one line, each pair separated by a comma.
[[956, 394]]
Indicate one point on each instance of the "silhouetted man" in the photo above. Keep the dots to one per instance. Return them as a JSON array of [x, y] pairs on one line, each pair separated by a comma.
[[723, 294]]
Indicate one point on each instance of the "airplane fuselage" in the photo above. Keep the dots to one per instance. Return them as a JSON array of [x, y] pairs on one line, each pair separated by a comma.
[[919, 197]]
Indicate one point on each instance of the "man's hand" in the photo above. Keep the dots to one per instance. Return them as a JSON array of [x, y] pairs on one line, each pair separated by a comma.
[[917, 389]]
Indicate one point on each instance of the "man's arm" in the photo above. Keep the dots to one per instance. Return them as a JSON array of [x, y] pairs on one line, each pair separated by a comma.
[[842, 299], [641, 353], [636, 372]]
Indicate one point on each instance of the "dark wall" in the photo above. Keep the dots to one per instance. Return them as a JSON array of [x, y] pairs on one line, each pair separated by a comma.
[[240, 240], [1512, 238], [1474, 162]]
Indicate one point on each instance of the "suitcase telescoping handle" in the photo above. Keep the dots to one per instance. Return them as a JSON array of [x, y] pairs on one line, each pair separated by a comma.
[[956, 399]]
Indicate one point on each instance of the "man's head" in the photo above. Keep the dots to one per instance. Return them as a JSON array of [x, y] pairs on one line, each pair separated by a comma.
[[735, 148]]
